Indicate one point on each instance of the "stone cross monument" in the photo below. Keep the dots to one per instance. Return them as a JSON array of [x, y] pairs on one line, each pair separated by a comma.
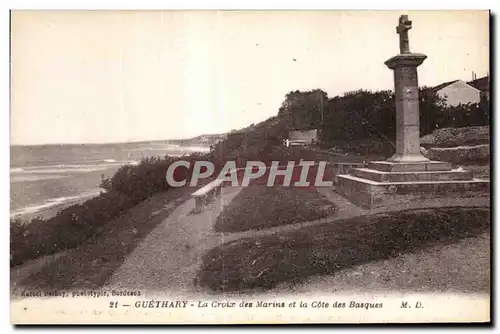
[[407, 176], [406, 90], [402, 30]]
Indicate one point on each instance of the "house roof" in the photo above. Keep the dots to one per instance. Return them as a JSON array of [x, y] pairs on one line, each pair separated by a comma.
[[483, 84], [444, 84]]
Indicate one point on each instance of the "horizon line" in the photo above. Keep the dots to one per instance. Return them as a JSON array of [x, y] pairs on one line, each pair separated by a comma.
[[118, 142]]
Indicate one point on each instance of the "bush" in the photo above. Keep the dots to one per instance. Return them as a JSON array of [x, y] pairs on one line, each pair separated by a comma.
[[29, 240], [141, 181], [67, 229]]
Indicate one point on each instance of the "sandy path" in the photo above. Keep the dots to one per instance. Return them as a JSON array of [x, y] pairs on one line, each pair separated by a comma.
[[170, 256]]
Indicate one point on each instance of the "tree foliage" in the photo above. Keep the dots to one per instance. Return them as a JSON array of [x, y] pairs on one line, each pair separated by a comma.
[[364, 114]]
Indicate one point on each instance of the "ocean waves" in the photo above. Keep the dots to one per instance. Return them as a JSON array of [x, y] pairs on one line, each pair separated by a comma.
[[71, 168], [53, 202], [34, 177]]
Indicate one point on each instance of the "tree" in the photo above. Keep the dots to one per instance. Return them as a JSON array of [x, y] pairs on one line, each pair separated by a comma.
[[432, 109], [303, 110]]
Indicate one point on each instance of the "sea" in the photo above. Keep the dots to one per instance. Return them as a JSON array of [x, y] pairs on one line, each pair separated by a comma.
[[44, 178]]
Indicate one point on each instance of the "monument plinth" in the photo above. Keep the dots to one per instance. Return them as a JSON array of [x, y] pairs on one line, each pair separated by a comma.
[[407, 111], [407, 174]]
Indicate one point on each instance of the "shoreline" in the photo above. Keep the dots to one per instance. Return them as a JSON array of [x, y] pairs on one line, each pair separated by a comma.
[[52, 211]]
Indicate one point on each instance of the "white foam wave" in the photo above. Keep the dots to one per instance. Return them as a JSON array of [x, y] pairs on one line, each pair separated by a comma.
[[176, 148], [34, 177], [164, 149], [52, 203], [76, 168], [197, 148], [66, 170]]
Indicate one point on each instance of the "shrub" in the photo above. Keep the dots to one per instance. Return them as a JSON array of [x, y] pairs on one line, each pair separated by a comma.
[[67, 229], [141, 181]]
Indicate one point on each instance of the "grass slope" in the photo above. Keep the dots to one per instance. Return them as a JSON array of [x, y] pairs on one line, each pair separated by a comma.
[[265, 261], [259, 207]]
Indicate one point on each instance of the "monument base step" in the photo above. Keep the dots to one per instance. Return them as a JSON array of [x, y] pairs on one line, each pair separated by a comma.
[[380, 176], [422, 166], [371, 194]]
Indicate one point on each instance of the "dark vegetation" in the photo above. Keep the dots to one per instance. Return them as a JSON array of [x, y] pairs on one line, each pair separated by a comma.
[[262, 262], [361, 122], [258, 207], [91, 264]]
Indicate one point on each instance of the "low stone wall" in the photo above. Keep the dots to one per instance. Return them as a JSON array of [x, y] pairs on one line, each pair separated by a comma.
[[453, 137], [459, 154]]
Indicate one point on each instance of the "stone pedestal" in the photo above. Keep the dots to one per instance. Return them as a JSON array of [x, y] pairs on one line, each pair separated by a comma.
[[407, 111], [386, 182]]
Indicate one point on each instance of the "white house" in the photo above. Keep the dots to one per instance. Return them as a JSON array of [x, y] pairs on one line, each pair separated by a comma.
[[457, 92]]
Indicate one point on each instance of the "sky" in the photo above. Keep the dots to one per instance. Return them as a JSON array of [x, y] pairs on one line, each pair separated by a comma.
[[117, 76]]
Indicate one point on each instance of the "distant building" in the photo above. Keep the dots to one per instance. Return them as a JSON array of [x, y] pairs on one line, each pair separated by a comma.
[[458, 92], [305, 137], [483, 84]]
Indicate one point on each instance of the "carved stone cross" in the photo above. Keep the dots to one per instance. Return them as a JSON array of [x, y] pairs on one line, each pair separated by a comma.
[[402, 30]]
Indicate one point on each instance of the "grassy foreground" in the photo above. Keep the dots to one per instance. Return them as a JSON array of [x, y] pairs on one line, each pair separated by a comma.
[[264, 261], [258, 207]]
